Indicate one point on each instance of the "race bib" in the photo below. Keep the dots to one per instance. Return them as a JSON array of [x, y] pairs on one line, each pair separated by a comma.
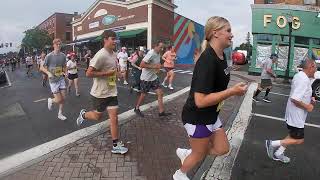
[[220, 106], [112, 80], [58, 71]]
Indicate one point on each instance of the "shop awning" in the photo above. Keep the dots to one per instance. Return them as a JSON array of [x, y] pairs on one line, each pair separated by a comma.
[[130, 34]]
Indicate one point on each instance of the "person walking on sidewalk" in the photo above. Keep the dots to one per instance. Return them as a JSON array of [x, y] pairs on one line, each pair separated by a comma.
[[44, 75], [266, 82], [102, 69], [169, 58], [29, 65], [136, 60], [200, 114], [55, 67], [87, 58], [73, 73], [149, 79], [123, 60], [300, 102]]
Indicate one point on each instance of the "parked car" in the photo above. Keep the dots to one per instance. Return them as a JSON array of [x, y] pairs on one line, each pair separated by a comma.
[[238, 58]]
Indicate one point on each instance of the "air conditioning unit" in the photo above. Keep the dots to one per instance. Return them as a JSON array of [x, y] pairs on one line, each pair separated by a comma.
[[309, 2]]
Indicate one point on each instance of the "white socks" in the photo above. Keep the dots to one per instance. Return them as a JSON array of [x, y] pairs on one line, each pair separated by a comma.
[[275, 143], [280, 151]]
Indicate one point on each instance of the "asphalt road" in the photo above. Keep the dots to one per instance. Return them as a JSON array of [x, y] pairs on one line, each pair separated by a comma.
[[26, 122], [252, 161]]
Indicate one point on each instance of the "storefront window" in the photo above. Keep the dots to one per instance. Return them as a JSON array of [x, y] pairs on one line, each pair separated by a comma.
[[302, 40], [283, 39], [268, 1], [316, 41], [264, 37]]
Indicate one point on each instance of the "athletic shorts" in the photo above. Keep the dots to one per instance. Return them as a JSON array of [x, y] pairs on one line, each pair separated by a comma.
[[29, 66], [56, 87], [265, 83], [72, 76], [168, 69], [145, 86], [101, 104], [202, 131], [295, 133]]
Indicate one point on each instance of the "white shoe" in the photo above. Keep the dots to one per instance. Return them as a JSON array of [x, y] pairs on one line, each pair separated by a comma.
[[50, 104], [164, 85], [80, 117], [170, 87], [183, 153], [119, 149], [180, 176], [61, 117], [125, 83]]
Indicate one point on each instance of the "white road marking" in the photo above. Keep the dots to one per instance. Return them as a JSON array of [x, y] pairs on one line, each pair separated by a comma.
[[39, 100], [24, 159], [177, 70], [282, 119], [222, 166]]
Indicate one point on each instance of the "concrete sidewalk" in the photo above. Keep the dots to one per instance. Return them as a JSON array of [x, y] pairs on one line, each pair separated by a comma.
[[152, 142]]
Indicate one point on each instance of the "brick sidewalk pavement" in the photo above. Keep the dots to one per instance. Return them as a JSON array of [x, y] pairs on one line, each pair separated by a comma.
[[152, 142]]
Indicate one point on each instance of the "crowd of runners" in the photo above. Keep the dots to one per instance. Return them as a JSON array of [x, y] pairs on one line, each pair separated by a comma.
[[209, 90]]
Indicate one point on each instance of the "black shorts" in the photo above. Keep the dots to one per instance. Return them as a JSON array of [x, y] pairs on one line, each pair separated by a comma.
[[168, 68], [29, 66], [101, 104], [72, 76], [265, 83], [296, 133], [145, 86]]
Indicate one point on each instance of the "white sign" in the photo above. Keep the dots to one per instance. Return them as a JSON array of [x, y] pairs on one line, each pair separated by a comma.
[[94, 25]]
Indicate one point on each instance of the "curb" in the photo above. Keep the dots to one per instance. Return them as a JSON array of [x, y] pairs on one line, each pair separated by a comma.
[[206, 169], [36, 154], [221, 168]]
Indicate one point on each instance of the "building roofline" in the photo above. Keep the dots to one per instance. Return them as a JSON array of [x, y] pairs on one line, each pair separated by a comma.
[[52, 16], [120, 3], [287, 7]]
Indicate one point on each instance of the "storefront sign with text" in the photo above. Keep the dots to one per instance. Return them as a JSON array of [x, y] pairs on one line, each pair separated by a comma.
[[282, 21]]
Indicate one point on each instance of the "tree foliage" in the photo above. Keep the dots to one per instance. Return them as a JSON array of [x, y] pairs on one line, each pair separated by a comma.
[[36, 38]]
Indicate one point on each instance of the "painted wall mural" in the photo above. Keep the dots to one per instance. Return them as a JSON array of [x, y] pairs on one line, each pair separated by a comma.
[[187, 38]]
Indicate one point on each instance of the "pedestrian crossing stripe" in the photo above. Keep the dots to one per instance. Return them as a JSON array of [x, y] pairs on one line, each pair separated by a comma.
[[180, 71]]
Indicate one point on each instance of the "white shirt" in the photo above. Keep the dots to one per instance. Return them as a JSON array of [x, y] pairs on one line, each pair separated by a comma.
[[71, 64], [29, 60], [301, 90], [123, 58]]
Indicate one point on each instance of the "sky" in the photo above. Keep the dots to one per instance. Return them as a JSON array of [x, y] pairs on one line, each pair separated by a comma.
[[16, 16]]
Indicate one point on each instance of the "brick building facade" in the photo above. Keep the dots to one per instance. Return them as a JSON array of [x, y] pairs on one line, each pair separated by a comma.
[[137, 22], [59, 25]]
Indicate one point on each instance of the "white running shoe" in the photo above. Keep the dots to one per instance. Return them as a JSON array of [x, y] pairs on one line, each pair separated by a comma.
[[183, 153], [164, 85], [282, 158], [180, 176], [170, 87], [125, 83], [119, 149], [80, 118], [50, 102], [62, 117]]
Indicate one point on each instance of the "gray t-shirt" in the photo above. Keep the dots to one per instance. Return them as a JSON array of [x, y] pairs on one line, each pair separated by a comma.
[[267, 64], [151, 58], [55, 64]]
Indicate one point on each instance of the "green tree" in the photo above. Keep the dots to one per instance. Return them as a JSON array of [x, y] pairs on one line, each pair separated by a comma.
[[246, 46], [35, 38]]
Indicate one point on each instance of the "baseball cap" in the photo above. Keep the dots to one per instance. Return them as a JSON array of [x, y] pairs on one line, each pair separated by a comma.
[[272, 56]]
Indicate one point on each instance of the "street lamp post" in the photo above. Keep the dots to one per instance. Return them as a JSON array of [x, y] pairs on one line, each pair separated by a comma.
[[289, 51]]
